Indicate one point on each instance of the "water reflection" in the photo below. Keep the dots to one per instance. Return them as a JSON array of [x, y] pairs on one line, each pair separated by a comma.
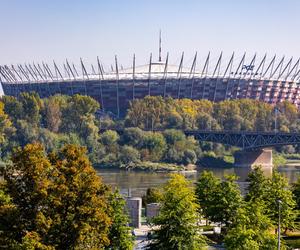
[[137, 182]]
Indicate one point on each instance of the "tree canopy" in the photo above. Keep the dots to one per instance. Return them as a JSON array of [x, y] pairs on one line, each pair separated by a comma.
[[57, 201], [177, 217]]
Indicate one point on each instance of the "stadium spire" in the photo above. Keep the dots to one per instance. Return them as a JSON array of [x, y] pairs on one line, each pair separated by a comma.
[[159, 51]]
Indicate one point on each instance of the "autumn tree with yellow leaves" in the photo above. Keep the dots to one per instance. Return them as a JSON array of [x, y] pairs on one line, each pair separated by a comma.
[[54, 201]]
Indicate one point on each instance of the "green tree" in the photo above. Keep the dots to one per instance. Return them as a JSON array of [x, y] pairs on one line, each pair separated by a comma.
[[57, 200], [31, 107], [133, 137], [296, 192], [177, 217], [270, 191], [129, 155], [153, 195], [220, 200], [74, 114], [154, 146], [258, 185], [147, 113], [53, 113], [6, 127], [109, 138], [27, 183], [119, 233], [279, 190], [251, 230], [13, 108]]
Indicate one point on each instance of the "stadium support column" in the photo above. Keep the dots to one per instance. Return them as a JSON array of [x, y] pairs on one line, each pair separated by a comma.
[[117, 83], [133, 78], [21, 69], [12, 76], [149, 75], [279, 64], [166, 75], [261, 68], [75, 71], [29, 70], [295, 67], [159, 50], [84, 72], [218, 66], [229, 67], [44, 72], [294, 79], [43, 78], [1, 78], [274, 89], [205, 69], [245, 75], [283, 83], [179, 75], [16, 72], [57, 72], [192, 72], [240, 74], [269, 66], [100, 72], [285, 68], [70, 69], [31, 73]]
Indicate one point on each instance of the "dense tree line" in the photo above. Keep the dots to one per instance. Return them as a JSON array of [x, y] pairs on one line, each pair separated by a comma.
[[60, 120], [153, 112], [247, 222]]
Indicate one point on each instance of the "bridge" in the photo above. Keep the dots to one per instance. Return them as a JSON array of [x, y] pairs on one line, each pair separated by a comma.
[[246, 140], [255, 146]]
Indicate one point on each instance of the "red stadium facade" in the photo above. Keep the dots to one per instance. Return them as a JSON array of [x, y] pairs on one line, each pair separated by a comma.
[[269, 79]]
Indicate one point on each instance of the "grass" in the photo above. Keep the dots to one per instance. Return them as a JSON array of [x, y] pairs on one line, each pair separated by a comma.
[[291, 156], [153, 166], [207, 228], [293, 242], [278, 160]]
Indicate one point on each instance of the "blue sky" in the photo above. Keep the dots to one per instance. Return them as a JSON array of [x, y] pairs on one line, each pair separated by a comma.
[[43, 30]]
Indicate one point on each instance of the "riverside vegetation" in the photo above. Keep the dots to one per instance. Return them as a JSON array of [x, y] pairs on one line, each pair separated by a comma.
[[51, 197], [56, 201], [247, 222], [60, 120]]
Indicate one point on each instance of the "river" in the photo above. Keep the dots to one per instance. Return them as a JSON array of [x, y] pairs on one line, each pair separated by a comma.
[[135, 183]]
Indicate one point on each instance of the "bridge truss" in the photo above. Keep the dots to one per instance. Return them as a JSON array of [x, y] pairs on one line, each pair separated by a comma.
[[247, 140]]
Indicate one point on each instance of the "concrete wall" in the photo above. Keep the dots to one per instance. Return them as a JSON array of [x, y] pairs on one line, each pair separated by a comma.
[[134, 206], [152, 210], [249, 159]]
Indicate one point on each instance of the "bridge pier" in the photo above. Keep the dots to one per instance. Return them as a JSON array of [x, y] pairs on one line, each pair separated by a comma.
[[257, 157]]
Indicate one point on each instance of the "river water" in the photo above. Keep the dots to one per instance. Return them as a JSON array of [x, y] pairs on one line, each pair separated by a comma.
[[135, 183]]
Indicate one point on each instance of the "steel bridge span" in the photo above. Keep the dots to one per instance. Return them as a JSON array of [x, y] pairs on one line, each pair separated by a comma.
[[246, 140], [255, 146]]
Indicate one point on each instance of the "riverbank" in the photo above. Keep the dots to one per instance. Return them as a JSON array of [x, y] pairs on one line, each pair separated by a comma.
[[148, 166]]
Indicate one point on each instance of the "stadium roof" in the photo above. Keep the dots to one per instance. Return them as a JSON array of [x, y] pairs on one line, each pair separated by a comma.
[[273, 68]]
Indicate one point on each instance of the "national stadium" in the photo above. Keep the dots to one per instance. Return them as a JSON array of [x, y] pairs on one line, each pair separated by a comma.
[[269, 79]]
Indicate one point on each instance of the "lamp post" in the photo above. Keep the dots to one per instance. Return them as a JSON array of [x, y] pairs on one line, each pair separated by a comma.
[[278, 231]]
